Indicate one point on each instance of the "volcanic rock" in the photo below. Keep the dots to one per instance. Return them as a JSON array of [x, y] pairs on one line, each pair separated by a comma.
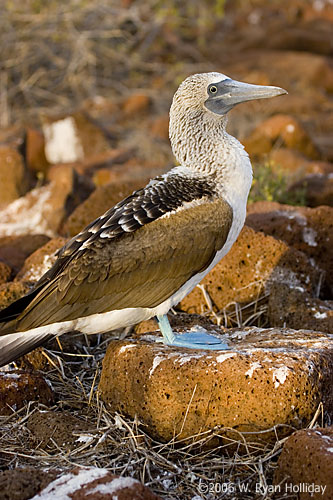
[[5, 272], [9, 292], [15, 249], [268, 377], [23, 483], [246, 273], [309, 230], [95, 484], [294, 308], [42, 210], [13, 182], [40, 261], [283, 128], [307, 459], [99, 202], [18, 388]]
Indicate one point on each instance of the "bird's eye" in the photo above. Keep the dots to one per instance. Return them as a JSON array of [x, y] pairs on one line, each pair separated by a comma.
[[213, 89]]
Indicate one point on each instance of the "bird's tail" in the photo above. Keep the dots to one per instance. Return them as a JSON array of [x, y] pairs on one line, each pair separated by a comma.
[[14, 345]]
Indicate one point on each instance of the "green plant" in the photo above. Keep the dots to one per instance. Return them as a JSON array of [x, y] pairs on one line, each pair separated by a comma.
[[272, 184]]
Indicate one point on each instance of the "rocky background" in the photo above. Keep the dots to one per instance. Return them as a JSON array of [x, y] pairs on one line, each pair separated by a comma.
[[85, 93]]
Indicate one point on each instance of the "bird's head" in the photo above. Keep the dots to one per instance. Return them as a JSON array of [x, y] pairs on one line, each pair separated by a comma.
[[217, 93], [198, 114]]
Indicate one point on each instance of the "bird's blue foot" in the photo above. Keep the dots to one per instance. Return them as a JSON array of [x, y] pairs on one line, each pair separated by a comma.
[[191, 340]]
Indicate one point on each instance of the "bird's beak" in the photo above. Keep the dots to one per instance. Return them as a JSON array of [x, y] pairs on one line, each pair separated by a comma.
[[229, 92]]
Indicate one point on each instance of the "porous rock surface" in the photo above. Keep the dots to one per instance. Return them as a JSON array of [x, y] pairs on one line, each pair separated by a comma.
[[5, 272], [268, 377], [18, 388], [24, 482], [309, 230], [95, 484], [318, 189], [40, 261], [292, 307], [9, 292], [307, 458], [247, 272], [15, 249]]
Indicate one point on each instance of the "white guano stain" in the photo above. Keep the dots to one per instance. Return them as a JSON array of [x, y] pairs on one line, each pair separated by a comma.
[[62, 143], [280, 375], [26, 214], [252, 368], [319, 315], [222, 357]]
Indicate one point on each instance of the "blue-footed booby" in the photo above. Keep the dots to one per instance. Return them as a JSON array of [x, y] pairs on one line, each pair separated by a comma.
[[147, 252]]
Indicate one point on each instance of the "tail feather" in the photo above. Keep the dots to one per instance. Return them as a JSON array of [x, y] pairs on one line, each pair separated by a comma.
[[14, 345]]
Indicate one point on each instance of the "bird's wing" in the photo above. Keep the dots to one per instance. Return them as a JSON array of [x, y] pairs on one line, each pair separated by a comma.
[[105, 267], [140, 269]]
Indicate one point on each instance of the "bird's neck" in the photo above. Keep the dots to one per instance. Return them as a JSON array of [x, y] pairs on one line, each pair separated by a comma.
[[200, 142], [197, 139]]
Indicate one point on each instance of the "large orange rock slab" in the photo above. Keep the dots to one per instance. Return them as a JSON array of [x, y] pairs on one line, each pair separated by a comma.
[[306, 464], [268, 377]]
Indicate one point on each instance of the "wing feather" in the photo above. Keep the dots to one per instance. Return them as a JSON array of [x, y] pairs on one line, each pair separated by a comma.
[[140, 271]]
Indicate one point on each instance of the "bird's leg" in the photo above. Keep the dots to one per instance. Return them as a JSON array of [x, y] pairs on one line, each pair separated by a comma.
[[192, 340]]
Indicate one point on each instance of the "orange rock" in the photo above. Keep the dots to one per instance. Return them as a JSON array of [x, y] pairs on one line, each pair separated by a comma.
[[5, 272], [309, 230], [318, 189], [99, 202], [268, 377], [306, 462], [136, 103], [108, 158], [34, 151], [40, 261], [284, 128], [288, 159], [246, 273], [9, 292], [15, 249], [18, 388], [24, 482], [72, 138], [13, 183], [42, 210], [95, 483], [292, 308]]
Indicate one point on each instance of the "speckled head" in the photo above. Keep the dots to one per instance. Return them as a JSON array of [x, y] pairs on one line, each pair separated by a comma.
[[218, 94], [198, 116]]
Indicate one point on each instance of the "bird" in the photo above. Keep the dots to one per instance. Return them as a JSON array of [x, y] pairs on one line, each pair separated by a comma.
[[146, 253]]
